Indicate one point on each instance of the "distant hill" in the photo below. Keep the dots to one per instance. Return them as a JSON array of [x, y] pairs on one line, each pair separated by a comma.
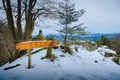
[[92, 37]]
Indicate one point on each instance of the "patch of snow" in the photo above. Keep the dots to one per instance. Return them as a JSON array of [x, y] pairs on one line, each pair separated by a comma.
[[82, 65], [105, 49]]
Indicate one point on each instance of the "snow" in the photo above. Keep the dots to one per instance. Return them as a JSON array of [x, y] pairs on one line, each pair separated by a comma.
[[79, 66], [105, 49]]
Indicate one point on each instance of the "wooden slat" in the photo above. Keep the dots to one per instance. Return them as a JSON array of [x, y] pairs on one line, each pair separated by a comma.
[[36, 44]]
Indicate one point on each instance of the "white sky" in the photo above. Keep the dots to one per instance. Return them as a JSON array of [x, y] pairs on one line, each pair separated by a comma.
[[101, 16]]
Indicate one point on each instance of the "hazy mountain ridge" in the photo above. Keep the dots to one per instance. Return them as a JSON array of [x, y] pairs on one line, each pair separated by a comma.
[[93, 37]]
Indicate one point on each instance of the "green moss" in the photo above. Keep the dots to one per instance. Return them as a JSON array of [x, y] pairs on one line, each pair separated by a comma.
[[104, 41], [116, 60], [49, 52], [109, 55], [68, 49]]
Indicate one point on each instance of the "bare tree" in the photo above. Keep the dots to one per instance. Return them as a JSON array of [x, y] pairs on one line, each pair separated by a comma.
[[21, 16], [116, 43]]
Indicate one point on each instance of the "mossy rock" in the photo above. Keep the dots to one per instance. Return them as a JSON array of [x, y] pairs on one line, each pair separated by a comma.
[[90, 46], [62, 47], [96, 61], [109, 54], [78, 43], [76, 49], [117, 55], [116, 60], [69, 50]]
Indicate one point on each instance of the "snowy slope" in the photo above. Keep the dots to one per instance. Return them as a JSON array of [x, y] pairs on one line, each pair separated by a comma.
[[81, 65]]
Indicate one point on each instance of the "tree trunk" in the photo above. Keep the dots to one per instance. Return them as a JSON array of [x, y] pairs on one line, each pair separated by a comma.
[[29, 20], [11, 27], [29, 58], [7, 7], [49, 52], [65, 39], [19, 27]]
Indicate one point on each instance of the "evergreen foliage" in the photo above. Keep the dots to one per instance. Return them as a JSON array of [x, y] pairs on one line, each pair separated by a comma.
[[104, 41], [69, 50], [67, 15], [40, 36], [116, 60], [75, 32], [50, 37]]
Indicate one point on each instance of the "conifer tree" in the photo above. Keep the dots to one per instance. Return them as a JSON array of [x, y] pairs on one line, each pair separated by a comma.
[[68, 15]]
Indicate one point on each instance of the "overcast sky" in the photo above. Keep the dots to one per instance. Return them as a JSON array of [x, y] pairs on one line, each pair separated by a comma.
[[101, 16]]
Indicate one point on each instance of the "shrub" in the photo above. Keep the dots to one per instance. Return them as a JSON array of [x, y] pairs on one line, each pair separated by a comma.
[[68, 49], [99, 43], [116, 60], [40, 36], [7, 45], [116, 44], [104, 41]]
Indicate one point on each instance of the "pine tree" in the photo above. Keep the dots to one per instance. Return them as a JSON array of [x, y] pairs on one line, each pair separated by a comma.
[[67, 15], [40, 36], [75, 32]]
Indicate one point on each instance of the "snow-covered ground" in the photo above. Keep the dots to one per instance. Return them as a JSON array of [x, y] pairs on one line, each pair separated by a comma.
[[82, 65]]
